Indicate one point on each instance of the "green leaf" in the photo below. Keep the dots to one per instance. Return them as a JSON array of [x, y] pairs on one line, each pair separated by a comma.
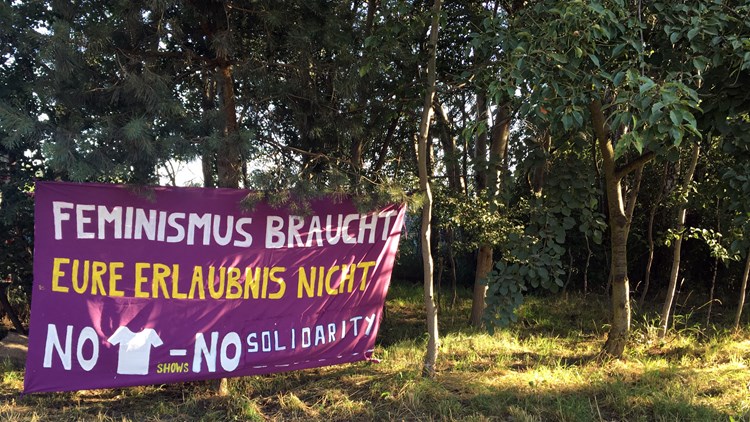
[[676, 134], [693, 32], [656, 112], [618, 78], [598, 8], [637, 142], [700, 63], [560, 58], [595, 60], [690, 119], [647, 85], [675, 116], [618, 49], [567, 121], [560, 235], [674, 37], [578, 117], [620, 148]]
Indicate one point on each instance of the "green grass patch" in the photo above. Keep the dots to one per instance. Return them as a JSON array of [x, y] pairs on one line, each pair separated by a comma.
[[546, 367]]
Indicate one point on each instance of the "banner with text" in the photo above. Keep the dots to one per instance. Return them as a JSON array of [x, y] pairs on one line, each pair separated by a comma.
[[183, 284]]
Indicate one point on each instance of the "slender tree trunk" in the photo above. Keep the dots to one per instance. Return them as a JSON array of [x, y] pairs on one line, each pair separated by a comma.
[[650, 235], [484, 254], [618, 225], [454, 280], [480, 146], [677, 245], [386, 143], [424, 182], [742, 292], [711, 294], [633, 197], [649, 263], [586, 268], [716, 268], [439, 282]]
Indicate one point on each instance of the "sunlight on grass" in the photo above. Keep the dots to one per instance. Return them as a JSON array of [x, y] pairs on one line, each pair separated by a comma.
[[546, 367]]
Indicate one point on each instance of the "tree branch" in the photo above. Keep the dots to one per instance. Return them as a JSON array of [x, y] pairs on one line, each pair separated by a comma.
[[628, 168]]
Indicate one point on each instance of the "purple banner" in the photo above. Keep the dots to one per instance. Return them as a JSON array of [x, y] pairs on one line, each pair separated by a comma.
[[183, 284]]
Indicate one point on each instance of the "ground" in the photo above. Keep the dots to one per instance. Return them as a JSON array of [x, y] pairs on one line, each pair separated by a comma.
[[13, 348], [546, 367]]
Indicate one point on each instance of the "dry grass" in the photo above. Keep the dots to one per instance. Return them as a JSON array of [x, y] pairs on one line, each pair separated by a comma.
[[545, 368]]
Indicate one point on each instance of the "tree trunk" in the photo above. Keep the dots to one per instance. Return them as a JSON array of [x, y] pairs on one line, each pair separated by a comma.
[[480, 146], [711, 294], [456, 183], [618, 334], [424, 128], [386, 143], [450, 151], [208, 156], [229, 160], [586, 268], [650, 235], [618, 226], [677, 245], [495, 170], [452, 260], [539, 170], [742, 292], [498, 152], [5, 305], [484, 254], [484, 266], [716, 267], [649, 263]]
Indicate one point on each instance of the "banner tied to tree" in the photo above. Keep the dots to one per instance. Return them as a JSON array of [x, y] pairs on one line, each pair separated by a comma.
[[184, 284]]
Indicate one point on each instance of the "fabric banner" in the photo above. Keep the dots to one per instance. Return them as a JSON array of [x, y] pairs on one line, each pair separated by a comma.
[[183, 284]]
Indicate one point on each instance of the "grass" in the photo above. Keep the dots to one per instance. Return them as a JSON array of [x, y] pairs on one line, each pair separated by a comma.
[[546, 367]]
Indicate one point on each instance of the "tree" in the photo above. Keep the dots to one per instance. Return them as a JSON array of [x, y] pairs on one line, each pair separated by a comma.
[[424, 183], [677, 241], [24, 127], [592, 60]]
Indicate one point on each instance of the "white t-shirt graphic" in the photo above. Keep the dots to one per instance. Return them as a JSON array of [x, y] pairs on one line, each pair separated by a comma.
[[135, 349]]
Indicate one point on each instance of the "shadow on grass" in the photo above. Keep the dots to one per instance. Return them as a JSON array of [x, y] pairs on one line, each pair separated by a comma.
[[404, 315], [524, 361], [637, 399], [188, 402]]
